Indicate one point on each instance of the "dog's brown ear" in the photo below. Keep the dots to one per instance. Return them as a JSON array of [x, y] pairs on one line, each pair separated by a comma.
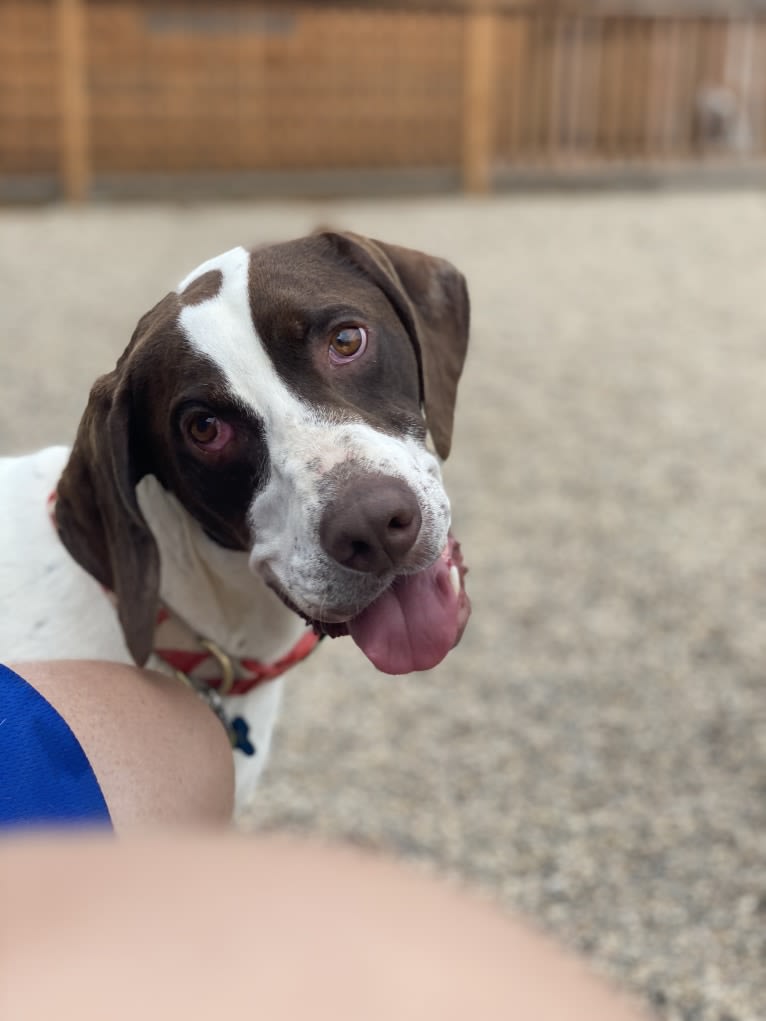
[[98, 516], [431, 298]]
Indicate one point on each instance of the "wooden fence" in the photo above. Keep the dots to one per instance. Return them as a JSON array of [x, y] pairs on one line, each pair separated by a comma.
[[101, 93]]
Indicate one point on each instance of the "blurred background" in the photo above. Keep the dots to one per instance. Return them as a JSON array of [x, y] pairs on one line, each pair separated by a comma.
[[594, 753], [115, 97]]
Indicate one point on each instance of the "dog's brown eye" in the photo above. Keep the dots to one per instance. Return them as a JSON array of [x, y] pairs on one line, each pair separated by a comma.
[[208, 432], [348, 343], [203, 428]]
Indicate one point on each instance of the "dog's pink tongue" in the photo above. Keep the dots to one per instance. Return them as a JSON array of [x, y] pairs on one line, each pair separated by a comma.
[[416, 622]]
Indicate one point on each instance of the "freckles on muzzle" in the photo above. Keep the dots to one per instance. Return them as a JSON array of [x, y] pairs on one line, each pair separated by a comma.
[[367, 552], [404, 616]]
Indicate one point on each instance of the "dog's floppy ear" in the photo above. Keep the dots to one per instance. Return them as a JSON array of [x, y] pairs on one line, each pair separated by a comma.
[[431, 298], [97, 513]]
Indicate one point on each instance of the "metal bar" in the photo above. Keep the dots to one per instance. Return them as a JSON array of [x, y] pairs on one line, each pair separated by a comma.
[[478, 82], [73, 110]]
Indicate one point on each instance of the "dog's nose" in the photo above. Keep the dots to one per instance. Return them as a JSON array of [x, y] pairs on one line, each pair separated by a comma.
[[371, 525]]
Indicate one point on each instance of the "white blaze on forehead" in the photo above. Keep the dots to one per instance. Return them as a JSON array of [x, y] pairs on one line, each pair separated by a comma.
[[222, 328]]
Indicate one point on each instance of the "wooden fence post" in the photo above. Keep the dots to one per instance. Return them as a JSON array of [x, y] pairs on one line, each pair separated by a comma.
[[478, 97], [73, 118]]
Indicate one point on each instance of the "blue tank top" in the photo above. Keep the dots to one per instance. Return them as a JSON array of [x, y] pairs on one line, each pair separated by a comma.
[[45, 776]]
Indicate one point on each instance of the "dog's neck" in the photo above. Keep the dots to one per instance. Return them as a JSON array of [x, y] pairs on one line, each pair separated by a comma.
[[212, 589]]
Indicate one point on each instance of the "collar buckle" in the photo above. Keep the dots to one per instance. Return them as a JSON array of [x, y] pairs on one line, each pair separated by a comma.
[[228, 675]]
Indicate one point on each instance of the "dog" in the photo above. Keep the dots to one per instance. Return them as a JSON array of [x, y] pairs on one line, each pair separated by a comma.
[[260, 469]]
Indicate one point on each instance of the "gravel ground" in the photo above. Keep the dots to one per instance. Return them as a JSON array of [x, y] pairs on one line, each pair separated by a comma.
[[594, 753]]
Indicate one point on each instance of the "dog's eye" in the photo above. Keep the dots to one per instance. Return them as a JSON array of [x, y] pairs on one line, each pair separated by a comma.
[[348, 343], [208, 432]]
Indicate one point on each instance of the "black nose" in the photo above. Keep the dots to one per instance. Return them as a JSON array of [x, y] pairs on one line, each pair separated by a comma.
[[371, 525]]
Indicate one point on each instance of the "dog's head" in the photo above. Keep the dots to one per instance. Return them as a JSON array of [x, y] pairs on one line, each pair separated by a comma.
[[283, 396]]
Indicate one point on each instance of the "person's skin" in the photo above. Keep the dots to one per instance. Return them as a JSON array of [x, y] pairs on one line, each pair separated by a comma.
[[195, 926], [159, 753], [196, 923]]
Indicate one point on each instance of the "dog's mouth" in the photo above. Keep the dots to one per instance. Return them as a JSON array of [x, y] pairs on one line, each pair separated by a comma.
[[414, 623]]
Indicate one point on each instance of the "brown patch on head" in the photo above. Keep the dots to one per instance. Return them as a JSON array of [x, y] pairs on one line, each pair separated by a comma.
[[202, 288], [431, 299], [302, 293], [130, 428]]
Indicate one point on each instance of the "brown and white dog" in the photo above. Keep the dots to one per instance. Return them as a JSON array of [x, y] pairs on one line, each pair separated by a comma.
[[257, 460]]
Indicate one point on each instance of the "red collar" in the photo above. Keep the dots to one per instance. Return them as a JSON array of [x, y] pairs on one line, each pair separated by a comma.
[[201, 662], [206, 665]]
